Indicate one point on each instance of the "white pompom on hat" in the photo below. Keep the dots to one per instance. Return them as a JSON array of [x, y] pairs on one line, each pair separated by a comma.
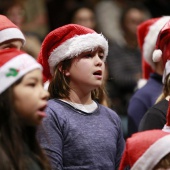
[[9, 31], [157, 54], [67, 42], [144, 150], [162, 49], [13, 65], [147, 33]]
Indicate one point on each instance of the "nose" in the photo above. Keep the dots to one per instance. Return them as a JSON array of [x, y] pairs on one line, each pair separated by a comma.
[[98, 60]]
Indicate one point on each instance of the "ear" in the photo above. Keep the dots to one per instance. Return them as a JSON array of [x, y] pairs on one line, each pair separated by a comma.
[[60, 68], [65, 72]]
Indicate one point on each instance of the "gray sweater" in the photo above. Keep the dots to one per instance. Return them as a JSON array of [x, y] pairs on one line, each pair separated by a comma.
[[75, 140]]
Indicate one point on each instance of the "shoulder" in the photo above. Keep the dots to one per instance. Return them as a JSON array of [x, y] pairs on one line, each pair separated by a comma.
[[147, 92], [141, 95], [157, 110], [109, 112], [161, 106], [53, 103], [57, 108]]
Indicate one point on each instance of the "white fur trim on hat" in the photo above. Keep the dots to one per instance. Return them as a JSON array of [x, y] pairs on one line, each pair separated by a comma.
[[22, 64], [75, 46], [166, 70], [151, 38], [157, 54], [166, 128], [11, 33], [153, 154]]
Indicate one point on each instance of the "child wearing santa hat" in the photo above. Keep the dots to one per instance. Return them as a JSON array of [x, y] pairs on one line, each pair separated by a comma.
[[22, 103], [148, 150], [146, 96], [78, 132], [155, 117], [10, 35]]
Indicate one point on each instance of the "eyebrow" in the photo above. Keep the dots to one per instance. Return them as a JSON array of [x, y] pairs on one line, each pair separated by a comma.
[[31, 78]]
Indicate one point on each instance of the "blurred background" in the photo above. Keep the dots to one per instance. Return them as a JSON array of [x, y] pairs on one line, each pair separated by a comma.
[[117, 20]]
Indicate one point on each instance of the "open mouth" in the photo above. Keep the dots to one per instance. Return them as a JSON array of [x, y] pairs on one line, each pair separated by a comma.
[[41, 111], [98, 73], [43, 108]]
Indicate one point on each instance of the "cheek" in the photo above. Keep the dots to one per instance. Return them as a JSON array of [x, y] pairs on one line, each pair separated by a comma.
[[20, 104], [84, 66], [24, 104]]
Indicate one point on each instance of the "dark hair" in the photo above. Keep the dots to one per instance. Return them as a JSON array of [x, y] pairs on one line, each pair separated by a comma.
[[77, 8], [8, 4], [139, 6], [14, 138], [74, 11]]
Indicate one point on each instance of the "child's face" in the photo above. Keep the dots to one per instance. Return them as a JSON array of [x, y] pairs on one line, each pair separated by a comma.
[[87, 71], [30, 98], [15, 43]]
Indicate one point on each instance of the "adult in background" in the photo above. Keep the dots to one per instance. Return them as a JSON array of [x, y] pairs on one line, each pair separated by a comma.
[[124, 60]]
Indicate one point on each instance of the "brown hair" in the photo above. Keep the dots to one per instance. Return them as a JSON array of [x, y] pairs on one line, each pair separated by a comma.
[[163, 163]]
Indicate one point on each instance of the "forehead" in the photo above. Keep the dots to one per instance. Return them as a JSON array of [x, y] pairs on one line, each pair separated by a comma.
[[13, 43], [96, 49], [37, 73]]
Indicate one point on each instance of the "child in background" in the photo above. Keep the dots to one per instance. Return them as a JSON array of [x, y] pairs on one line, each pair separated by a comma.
[[16, 12], [146, 96], [155, 117], [22, 104], [10, 35], [78, 132], [148, 150]]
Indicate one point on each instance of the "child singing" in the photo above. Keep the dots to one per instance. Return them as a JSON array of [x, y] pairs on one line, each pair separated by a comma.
[[78, 132], [22, 103]]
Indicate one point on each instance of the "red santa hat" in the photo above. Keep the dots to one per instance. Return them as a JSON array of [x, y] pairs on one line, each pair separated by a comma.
[[145, 149], [147, 35], [9, 30], [67, 42], [162, 49], [13, 65]]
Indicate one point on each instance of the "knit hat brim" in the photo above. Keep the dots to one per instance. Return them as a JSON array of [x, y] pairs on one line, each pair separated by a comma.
[[11, 33], [75, 46], [15, 68], [153, 154]]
